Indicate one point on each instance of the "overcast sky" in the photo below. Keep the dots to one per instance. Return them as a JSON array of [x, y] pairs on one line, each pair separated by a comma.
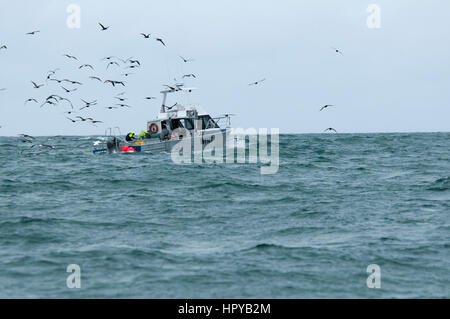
[[390, 79]]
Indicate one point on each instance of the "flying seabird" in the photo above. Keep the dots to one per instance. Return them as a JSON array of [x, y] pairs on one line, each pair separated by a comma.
[[330, 129], [73, 121], [70, 56], [36, 86], [67, 90], [337, 50], [160, 40], [325, 106], [123, 105], [189, 75], [121, 99], [86, 66], [29, 100], [186, 60], [95, 78], [257, 82], [150, 98], [3, 47], [32, 32], [110, 63], [103, 27], [147, 36]]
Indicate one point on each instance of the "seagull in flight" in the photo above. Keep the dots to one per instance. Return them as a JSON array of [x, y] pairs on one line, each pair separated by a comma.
[[337, 50], [3, 47], [70, 56], [257, 82], [32, 32], [330, 129], [189, 75], [86, 66], [325, 106], [111, 63], [150, 98], [95, 78], [36, 86], [146, 36], [67, 90], [160, 40], [186, 60], [103, 27], [73, 121], [30, 100]]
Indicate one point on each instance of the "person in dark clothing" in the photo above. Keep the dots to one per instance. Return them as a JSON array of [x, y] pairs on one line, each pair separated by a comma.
[[130, 137]]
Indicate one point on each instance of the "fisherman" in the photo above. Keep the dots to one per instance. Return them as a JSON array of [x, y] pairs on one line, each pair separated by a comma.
[[130, 137], [164, 131]]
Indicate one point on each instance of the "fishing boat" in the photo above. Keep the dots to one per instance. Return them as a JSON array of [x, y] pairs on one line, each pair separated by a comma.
[[171, 125]]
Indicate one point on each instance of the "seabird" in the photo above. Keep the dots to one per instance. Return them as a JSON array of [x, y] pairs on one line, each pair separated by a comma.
[[330, 129], [67, 90], [70, 56], [123, 105], [103, 27], [32, 32], [3, 47], [189, 75], [150, 98], [86, 66], [147, 36], [160, 40], [29, 100], [257, 82], [36, 86], [337, 50], [110, 63], [325, 106], [186, 60], [73, 121], [95, 78]]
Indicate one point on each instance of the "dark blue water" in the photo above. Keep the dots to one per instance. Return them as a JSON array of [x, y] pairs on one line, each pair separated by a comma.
[[141, 226]]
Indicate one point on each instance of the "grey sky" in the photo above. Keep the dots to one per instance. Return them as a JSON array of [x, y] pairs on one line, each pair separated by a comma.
[[394, 79]]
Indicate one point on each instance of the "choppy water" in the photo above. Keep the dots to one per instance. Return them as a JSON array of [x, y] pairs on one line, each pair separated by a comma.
[[140, 226]]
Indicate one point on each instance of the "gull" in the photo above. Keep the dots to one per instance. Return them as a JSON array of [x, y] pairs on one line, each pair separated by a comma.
[[67, 100], [325, 106], [110, 63], [330, 129], [73, 121], [59, 81], [103, 27], [123, 105], [147, 36], [127, 74], [95, 78], [186, 60], [48, 102], [189, 75], [29, 100], [257, 82], [115, 82], [160, 40], [132, 66], [150, 98], [70, 56], [3, 47], [121, 99], [86, 66], [134, 61], [337, 50], [67, 90], [111, 107], [73, 82], [85, 119], [32, 32], [122, 93], [36, 86], [88, 104], [95, 121]]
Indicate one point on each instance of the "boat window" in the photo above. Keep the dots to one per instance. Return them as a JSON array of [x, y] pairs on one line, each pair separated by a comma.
[[208, 122], [175, 123], [188, 124]]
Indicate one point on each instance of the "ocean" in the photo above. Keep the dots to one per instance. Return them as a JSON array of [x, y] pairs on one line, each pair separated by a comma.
[[140, 226]]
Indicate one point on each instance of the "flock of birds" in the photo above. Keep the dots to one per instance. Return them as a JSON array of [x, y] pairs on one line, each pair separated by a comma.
[[68, 86]]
